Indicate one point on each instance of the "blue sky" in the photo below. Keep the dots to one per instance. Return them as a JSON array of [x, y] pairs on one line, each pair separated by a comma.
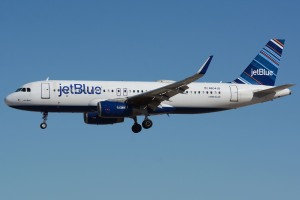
[[249, 153]]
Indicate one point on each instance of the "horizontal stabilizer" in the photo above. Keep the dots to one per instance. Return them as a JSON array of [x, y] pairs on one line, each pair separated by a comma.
[[273, 90]]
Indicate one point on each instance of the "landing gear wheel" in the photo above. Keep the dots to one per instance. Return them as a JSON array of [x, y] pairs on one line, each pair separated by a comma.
[[45, 117], [136, 128], [147, 123], [43, 125]]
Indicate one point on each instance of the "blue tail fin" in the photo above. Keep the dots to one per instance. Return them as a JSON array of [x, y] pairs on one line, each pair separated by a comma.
[[263, 69]]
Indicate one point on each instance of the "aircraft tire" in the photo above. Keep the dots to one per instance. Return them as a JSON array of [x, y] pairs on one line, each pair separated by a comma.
[[43, 125], [136, 128], [147, 123]]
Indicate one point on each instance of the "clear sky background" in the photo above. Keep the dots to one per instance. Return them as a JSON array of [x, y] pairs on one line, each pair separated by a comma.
[[249, 153]]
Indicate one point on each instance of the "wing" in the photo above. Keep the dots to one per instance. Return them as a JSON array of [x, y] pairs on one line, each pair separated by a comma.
[[153, 98]]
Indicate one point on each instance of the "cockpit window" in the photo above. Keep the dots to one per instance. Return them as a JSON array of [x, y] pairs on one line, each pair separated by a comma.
[[23, 90]]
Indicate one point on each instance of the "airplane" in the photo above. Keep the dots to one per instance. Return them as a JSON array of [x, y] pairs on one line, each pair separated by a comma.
[[109, 102]]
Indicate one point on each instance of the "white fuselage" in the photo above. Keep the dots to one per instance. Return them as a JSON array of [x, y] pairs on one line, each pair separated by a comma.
[[83, 96], [109, 102]]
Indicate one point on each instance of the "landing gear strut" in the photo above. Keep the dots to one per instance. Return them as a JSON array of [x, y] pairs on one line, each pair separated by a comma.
[[136, 127], [45, 117]]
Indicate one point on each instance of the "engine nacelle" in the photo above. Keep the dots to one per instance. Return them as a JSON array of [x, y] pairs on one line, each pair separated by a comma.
[[114, 109], [93, 118]]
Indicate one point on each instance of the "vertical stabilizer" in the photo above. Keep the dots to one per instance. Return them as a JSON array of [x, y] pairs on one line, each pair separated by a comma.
[[264, 67]]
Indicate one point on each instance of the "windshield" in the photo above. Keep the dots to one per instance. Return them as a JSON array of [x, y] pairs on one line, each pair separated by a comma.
[[23, 90]]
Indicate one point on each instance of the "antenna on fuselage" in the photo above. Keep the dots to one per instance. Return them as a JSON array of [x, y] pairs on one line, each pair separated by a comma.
[[47, 79]]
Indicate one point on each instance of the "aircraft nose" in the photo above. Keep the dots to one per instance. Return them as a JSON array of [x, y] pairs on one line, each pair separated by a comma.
[[9, 100]]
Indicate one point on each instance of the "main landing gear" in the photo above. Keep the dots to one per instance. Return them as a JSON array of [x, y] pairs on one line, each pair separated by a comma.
[[45, 117], [136, 127]]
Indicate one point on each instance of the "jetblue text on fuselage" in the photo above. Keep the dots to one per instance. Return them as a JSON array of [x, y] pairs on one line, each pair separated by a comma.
[[78, 89]]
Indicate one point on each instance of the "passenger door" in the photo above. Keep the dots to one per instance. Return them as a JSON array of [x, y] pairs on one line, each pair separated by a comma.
[[234, 93], [45, 90]]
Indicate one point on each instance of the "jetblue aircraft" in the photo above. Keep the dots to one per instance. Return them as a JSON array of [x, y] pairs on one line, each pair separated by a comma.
[[109, 102]]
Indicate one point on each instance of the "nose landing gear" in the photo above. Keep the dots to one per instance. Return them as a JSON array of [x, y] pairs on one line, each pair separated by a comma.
[[45, 117]]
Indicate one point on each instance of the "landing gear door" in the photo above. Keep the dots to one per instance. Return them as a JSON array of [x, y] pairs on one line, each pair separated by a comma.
[[234, 93], [45, 90]]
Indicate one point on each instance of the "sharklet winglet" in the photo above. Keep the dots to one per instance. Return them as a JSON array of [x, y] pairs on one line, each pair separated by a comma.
[[204, 67]]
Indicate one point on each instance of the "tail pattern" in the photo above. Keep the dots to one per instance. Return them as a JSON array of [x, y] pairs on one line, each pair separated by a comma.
[[263, 69]]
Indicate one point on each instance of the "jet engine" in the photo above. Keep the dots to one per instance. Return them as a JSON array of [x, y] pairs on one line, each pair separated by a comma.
[[112, 109]]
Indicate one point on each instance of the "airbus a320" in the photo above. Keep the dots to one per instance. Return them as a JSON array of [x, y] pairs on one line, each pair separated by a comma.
[[110, 102]]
